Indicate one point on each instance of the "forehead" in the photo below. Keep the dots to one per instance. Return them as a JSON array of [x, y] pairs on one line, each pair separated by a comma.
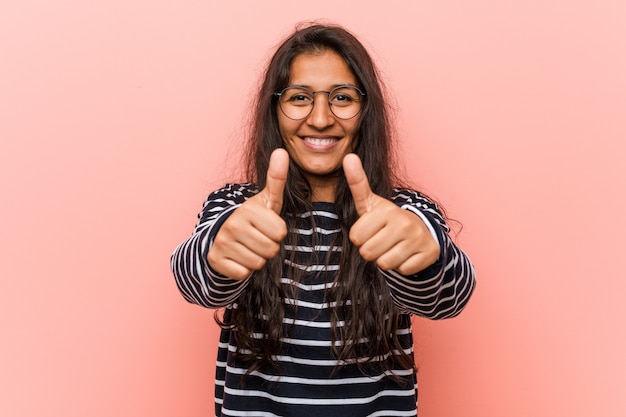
[[321, 70]]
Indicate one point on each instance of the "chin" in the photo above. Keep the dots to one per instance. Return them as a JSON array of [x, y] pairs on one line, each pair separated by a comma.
[[324, 173]]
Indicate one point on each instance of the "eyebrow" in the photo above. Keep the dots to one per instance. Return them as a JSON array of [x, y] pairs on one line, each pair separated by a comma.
[[308, 87]]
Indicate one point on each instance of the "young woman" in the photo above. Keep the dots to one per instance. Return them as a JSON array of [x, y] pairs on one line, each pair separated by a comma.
[[319, 261]]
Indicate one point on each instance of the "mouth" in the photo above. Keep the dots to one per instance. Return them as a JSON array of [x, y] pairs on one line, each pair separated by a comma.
[[320, 142]]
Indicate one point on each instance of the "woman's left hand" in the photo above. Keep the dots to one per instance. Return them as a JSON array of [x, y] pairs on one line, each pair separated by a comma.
[[392, 237]]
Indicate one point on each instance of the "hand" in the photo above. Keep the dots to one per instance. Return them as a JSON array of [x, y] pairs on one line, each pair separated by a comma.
[[253, 232], [392, 237]]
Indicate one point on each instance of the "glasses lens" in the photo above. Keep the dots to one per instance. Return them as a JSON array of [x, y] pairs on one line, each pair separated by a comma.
[[296, 102], [345, 102]]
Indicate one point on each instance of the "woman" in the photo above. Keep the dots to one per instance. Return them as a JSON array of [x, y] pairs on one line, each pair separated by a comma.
[[322, 257]]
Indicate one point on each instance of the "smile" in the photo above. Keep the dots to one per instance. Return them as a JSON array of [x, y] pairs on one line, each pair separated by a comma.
[[320, 141]]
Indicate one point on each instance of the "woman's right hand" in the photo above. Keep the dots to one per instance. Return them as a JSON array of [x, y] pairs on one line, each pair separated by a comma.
[[252, 234]]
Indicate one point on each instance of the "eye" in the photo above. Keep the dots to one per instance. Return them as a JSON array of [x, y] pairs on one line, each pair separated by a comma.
[[344, 96], [297, 97]]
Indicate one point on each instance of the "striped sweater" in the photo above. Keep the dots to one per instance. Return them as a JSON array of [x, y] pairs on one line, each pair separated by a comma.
[[309, 383]]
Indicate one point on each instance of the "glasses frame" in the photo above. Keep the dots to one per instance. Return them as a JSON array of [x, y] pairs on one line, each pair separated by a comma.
[[330, 105]]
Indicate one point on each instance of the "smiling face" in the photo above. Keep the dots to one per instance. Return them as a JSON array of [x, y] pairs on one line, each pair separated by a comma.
[[318, 143]]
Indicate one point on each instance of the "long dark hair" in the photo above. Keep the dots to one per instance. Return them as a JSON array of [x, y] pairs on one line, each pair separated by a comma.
[[259, 309]]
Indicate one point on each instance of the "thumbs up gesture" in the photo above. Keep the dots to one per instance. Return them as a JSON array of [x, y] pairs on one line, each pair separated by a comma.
[[392, 237], [253, 232]]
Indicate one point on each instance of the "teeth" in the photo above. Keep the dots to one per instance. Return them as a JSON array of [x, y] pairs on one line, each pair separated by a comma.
[[319, 141]]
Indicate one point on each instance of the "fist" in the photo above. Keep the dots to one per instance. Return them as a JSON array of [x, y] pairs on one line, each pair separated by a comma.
[[394, 238], [252, 234]]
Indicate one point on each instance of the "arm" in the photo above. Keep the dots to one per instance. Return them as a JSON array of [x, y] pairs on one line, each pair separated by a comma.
[[443, 289], [240, 228], [408, 239], [196, 280]]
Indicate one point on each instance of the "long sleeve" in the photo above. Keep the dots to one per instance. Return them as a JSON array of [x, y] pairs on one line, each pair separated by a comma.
[[195, 279], [443, 289]]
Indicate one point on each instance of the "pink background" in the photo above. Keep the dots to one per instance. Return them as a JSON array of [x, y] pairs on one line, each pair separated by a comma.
[[118, 117]]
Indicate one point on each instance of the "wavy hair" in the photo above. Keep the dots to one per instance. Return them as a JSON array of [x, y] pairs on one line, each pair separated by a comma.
[[260, 309]]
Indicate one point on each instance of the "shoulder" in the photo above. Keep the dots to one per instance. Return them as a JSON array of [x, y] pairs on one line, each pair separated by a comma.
[[234, 192], [408, 197], [224, 200], [403, 196]]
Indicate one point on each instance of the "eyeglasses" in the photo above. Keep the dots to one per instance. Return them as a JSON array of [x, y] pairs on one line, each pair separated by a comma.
[[297, 102]]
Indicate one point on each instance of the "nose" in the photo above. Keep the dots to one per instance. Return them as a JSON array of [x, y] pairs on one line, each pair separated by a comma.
[[321, 116]]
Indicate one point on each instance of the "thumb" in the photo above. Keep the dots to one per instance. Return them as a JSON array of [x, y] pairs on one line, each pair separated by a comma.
[[358, 183], [276, 178]]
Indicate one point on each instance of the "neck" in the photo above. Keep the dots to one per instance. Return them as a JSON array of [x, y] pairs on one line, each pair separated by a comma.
[[322, 196], [323, 189]]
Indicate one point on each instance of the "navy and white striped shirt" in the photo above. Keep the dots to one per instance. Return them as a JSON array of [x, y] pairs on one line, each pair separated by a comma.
[[309, 382]]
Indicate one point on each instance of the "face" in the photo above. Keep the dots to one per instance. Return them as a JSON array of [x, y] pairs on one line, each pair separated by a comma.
[[318, 143]]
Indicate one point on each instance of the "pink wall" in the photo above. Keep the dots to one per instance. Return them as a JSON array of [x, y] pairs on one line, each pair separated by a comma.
[[115, 119]]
